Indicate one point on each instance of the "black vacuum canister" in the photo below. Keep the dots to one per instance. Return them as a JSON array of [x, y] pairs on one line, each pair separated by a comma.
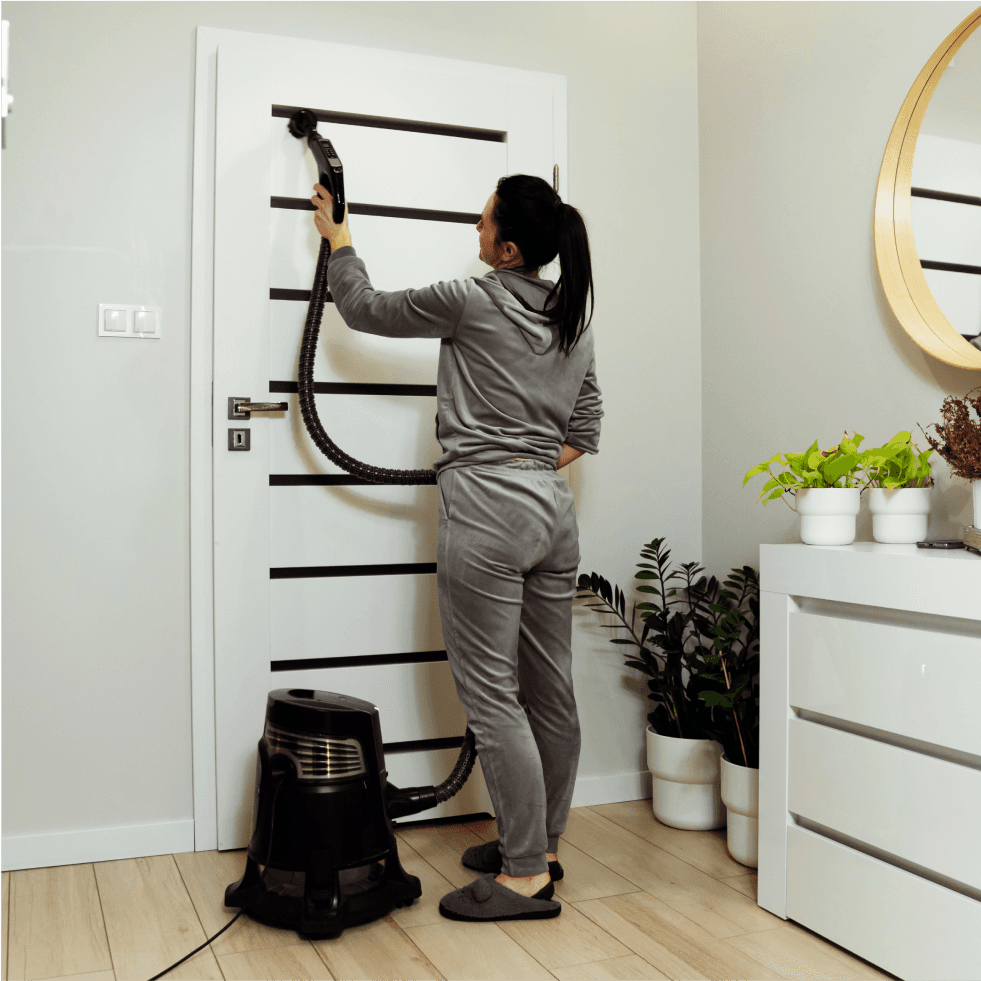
[[323, 855]]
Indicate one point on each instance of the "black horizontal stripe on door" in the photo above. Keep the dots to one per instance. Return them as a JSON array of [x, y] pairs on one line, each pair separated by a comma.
[[353, 661], [392, 122], [339, 571], [381, 211]]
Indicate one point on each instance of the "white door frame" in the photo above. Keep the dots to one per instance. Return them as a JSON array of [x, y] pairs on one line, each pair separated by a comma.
[[202, 370]]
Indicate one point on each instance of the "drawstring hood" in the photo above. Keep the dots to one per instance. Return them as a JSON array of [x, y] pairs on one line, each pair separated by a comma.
[[521, 300]]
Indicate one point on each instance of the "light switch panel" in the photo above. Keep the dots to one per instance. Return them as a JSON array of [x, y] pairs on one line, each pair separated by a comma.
[[144, 321], [128, 320], [115, 321]]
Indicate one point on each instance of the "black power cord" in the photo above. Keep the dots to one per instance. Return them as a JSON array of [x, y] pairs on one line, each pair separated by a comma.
[[272, 818]]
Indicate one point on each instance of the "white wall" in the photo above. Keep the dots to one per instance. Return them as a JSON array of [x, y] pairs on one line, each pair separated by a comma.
[[796, 101], [97, 208]]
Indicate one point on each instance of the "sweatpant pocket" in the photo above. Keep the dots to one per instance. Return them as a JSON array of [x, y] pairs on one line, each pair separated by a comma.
[[444, 487]]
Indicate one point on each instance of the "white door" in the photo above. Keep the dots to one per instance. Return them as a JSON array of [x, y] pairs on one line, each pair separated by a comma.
[[320, 582]]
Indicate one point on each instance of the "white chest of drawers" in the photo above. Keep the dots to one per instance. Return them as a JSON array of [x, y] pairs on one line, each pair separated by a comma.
[[870, 751]]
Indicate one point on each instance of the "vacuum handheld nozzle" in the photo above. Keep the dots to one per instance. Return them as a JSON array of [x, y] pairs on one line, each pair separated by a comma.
[[303, 125]]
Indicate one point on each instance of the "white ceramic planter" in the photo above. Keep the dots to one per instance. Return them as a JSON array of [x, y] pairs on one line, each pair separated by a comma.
[[827, 514], [900, 516], [976, 490], [687, 782], [741, 796]]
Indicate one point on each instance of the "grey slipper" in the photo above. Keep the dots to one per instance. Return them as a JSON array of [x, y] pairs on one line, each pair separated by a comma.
[[487, 858], [485, 899]]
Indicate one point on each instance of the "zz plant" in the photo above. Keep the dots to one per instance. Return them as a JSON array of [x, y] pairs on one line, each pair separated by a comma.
[[698, 646]]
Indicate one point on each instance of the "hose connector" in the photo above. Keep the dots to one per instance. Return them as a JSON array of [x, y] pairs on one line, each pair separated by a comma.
[[412, 800]]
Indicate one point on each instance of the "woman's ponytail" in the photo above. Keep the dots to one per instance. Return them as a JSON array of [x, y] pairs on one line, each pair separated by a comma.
[[576, 280], [532, 216]]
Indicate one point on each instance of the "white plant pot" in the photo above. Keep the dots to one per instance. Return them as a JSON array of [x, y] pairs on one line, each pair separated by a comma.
[[687, 782], [900, 516], [741, 796], [827, 514], [976, 490]]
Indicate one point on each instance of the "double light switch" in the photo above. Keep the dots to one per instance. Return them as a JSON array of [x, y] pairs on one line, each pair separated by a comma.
[[132, 320]]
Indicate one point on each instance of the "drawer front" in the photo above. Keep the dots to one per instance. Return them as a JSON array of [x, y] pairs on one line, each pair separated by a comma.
[[430, 767], [414, 701], [915, 683], [906, 925], [917, 807]]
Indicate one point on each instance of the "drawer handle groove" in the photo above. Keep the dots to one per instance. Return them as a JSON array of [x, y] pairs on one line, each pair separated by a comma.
[[888, 858], [945, 753]]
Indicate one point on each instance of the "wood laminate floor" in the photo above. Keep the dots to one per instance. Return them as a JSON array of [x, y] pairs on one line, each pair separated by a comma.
[[639, 900]]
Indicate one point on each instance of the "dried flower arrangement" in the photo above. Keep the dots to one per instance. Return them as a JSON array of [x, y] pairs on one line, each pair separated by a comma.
[[959, 441]]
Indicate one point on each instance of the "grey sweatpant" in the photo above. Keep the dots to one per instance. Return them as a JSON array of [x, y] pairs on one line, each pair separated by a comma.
[[506, 569]]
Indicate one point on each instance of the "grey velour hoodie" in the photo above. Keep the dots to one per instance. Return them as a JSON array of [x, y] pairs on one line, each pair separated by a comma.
[[504, 389]]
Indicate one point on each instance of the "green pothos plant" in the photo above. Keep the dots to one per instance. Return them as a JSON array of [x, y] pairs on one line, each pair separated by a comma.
[[698, 645], [898, 463], [835, 467]]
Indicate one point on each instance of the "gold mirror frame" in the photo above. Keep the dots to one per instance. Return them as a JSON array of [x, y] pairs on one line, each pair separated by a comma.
[[902, 276]]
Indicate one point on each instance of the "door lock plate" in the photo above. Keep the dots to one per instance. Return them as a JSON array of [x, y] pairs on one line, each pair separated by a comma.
[[238, 439]]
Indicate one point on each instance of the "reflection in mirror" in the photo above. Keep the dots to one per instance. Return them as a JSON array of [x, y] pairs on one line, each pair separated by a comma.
[[946, 192]]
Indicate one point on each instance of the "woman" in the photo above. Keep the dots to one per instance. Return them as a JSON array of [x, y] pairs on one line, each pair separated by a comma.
[[517, 400]]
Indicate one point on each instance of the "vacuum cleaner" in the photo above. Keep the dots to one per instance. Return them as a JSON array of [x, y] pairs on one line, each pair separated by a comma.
[[322, 817], [323, 854]]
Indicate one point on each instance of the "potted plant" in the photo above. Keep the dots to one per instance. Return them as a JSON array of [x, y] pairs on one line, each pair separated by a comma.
[[825, 486], [678, 649], [900, 487], [735, 633], [958, 441]]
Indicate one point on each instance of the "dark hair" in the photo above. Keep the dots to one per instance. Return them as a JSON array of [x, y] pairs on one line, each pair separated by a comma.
[[532, 216]]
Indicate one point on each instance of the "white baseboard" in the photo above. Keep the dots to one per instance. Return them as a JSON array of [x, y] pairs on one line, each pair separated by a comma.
[[611, 788], [96, 845], [172, 837]]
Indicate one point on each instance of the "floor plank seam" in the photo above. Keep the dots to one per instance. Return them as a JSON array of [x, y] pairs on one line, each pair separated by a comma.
[[415, 946], [197, 913], [612, 871], [323, 960], [102, 914], [6, 931], [647, 841], [650, 843]]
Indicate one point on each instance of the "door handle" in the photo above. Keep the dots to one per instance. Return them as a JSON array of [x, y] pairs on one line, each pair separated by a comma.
[[241, 408]]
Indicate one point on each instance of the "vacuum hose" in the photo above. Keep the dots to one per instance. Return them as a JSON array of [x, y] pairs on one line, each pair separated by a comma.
[[308, 406], [303, 125]]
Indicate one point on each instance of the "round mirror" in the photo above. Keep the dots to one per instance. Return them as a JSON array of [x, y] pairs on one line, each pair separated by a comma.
[[928, 204], [946, 192]]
